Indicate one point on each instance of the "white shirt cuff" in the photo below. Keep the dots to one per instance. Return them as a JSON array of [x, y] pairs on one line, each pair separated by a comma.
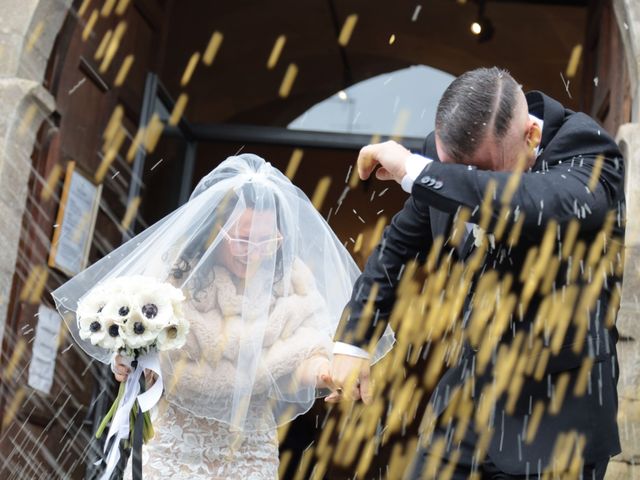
[[414, 165], [341, 348]]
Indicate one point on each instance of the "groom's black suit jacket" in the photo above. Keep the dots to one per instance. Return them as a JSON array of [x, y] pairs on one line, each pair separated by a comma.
[[555, 188]]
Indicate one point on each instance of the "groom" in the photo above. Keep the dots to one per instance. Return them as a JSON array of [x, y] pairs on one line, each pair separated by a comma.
[[486, 128]]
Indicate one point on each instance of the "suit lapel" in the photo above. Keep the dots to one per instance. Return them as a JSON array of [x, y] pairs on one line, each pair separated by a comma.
[[467, 246], [441, 224]]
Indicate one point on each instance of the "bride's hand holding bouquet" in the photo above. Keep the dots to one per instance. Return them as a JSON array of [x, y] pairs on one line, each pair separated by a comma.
[[133, 317]]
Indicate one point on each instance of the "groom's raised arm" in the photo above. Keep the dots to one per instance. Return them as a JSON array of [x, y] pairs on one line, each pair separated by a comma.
[[408, 237], [562, 193]]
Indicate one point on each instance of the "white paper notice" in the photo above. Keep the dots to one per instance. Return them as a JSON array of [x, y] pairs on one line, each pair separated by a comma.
[[76, 225], [45, 344]]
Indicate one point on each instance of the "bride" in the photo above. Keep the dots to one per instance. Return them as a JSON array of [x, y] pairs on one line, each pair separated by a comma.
[[265, 280]]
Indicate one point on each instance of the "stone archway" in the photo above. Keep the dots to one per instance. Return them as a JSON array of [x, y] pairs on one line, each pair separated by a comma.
[[29, 31]]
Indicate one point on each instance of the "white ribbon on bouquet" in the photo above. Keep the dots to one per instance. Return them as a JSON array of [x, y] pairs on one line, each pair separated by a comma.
[[119, 428]]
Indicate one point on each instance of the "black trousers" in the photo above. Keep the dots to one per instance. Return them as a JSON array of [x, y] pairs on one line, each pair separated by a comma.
[[466, 465]]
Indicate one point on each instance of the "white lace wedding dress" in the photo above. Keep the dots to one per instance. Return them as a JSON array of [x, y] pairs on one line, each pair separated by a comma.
[[187, 446]]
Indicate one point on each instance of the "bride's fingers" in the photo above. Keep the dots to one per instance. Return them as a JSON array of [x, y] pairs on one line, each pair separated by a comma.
[[334, 397], [329, 383], [122, 369], [121, 372], [149, 377], [355, 394], [366, 389], [323, 381], [323, 374], [336, 392]]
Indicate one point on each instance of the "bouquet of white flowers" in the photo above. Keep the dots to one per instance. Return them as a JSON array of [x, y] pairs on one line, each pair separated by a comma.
[[133, 316]]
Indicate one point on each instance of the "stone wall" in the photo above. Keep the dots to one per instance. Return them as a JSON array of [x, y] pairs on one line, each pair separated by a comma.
[[627, 465], [28, 29]]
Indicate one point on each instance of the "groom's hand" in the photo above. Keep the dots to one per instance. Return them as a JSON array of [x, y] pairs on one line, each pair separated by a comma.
[[391, 157], [349, 379]]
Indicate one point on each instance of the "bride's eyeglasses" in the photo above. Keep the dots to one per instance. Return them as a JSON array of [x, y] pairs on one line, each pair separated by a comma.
[[239, 247]]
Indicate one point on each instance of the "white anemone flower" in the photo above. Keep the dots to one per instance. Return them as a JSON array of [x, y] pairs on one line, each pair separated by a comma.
[[155, 307], [92, 303], [115, 316], [174, 294], [139, 331], [119, 308], [112, 339], [91, 328], [127, 285], [178, 311], [173, 336], [114, 285]]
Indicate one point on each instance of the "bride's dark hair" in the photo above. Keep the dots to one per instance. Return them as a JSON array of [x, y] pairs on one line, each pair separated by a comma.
[[209, 229]]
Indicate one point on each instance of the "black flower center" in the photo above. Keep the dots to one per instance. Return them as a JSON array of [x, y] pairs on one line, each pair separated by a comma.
[[138, 328], [150, 310], [95, 326], [124, 311], [113, 330]]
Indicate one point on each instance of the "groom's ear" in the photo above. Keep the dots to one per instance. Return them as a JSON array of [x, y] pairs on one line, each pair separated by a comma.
[[533, 134]]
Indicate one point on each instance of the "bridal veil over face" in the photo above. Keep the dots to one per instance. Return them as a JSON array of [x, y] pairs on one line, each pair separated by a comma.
[[266, 280]]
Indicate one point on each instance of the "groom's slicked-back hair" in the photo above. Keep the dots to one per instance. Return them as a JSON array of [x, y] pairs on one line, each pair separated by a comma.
[[477, 103]]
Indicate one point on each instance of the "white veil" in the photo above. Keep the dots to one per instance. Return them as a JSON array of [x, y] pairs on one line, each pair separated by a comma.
[[266, 280]]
